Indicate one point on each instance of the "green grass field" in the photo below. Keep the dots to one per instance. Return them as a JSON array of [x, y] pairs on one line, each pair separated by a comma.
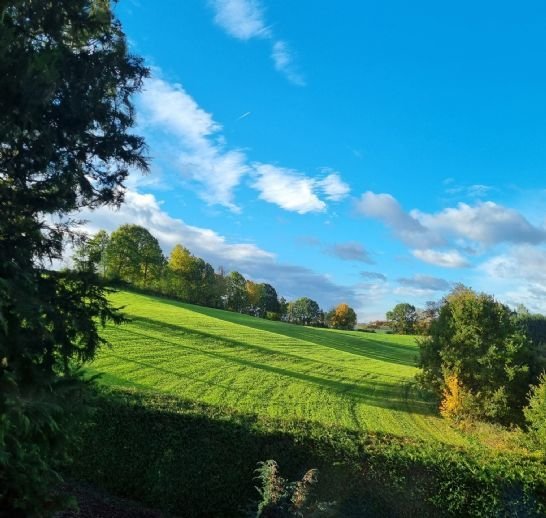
[[359, 381]]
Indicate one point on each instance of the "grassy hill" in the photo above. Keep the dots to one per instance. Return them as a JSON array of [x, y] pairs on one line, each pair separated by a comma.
[[358, 381]]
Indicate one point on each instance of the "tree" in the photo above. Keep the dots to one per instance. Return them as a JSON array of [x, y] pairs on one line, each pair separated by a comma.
[[91, 253], [262, 299], [425, 317], [342, 317], [476, 345], [236, 294], [402, 318], [180, 266], [204, 283], [303, 311], [270, 300], [66, 82], [134, 255], [254, 297]]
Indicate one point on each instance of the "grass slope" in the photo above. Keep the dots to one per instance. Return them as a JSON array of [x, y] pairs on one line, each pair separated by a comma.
[[359, 381]]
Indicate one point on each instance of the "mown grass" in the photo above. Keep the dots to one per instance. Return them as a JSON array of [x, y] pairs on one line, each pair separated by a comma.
[[357, 381]]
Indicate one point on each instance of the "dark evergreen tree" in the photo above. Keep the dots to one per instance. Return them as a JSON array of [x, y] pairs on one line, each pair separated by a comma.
[[66, 81]]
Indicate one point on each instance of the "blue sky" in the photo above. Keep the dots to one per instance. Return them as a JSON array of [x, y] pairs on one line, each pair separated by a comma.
[[367, 152]]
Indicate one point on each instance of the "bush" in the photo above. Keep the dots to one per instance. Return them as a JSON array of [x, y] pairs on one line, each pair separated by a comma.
[[456, 401], [535, 414]]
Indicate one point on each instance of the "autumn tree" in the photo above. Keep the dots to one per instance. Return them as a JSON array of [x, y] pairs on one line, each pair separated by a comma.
[[66, 81], [180, 273], [262, 298], [341, 317]]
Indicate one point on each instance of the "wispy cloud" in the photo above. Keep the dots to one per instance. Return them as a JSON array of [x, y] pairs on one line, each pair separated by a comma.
[[425, 283], [283, 58], [350, 251], [287, 189], [245, 20], [333, 187], [201, 156], [242, 19], [447, 259], [373, 275], [200, 153]]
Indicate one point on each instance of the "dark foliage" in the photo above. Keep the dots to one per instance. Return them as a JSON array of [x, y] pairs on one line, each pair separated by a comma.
[[197, 460], [65, 112]]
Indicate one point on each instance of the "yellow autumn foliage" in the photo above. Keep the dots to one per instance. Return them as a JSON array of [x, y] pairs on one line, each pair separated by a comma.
[[453, 400]]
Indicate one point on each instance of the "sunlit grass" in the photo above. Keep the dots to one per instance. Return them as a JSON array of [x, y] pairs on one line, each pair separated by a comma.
[[355, 380]]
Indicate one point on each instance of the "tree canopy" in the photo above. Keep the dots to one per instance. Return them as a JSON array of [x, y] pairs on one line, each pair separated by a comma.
[[134, 255], [304, 311], [342, 317], [402, 318], [476, 346]]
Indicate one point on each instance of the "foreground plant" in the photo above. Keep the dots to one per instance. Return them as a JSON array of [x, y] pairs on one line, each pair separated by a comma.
[[280, 498]]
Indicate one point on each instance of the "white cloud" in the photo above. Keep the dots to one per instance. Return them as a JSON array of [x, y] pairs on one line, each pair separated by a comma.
[[287, 188], [245, 20], [283, 60], [374, 275], [333, 187], [197, 149], [471, 191], [449, 259], [472, 229], [145, 210], [519, 276], [242, 19], [200, 154], [521, 262], [486, 223]]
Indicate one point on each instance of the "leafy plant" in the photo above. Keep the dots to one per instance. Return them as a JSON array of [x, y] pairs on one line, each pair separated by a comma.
[[280, 498]]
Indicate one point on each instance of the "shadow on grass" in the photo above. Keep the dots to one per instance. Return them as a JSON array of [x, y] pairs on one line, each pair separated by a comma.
[[393, 396], [377, 349]]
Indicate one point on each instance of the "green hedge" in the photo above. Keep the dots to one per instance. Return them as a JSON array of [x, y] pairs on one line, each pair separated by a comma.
[[195, 460]]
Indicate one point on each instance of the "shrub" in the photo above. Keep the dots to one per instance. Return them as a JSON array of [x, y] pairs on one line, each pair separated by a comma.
[[535, 414], [456, 401]]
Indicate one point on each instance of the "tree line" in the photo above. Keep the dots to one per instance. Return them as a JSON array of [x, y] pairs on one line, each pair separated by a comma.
[[131, 254]]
